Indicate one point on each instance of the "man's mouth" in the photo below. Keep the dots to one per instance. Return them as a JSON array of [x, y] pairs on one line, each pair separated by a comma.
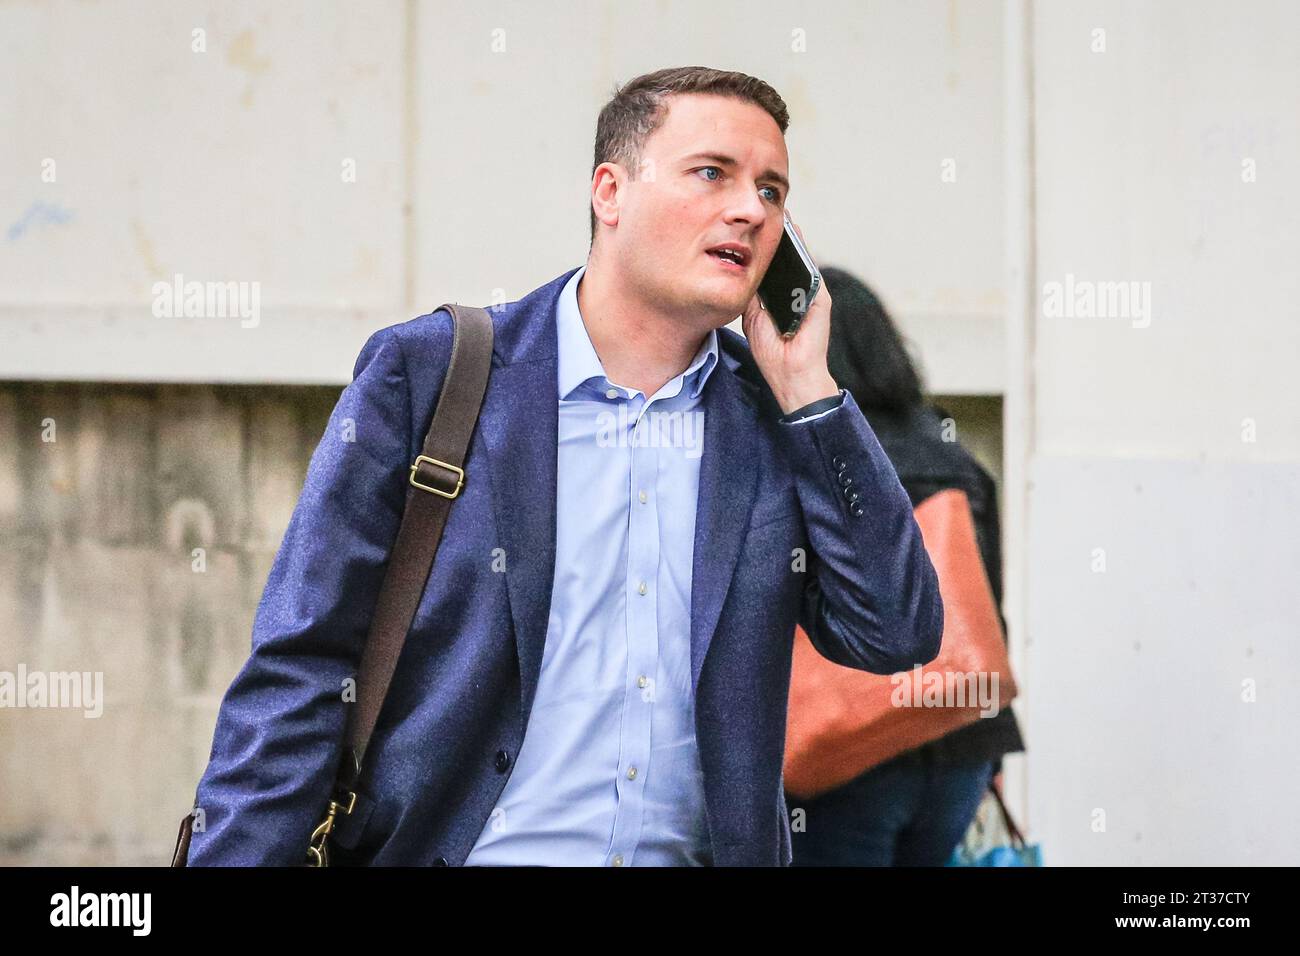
[[731, 256]]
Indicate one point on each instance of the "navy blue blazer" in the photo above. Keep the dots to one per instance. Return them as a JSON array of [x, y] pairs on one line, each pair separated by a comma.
[[775, 543]]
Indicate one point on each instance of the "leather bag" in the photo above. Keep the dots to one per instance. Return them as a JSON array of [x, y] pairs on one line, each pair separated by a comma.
[[843, 721]]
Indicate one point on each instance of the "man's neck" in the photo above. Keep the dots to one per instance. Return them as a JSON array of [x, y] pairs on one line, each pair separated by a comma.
[[638, 346]]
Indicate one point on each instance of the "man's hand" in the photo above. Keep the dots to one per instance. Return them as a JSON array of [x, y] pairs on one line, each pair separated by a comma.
[[795, 369]]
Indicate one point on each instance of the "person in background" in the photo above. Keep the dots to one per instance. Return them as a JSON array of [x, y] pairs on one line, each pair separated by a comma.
[[914, 809]]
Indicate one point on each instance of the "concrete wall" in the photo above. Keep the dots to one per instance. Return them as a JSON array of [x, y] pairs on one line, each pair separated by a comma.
[[366, 162], [1160, 549], [1164, 451], [357, 164], [138, 526]]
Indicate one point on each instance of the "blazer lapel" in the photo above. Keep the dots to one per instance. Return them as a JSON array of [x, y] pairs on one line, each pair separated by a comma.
[[520, 427], [520, 420], [728, 484]]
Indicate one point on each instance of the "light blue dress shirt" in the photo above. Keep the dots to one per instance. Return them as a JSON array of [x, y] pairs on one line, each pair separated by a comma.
[[608, 773]]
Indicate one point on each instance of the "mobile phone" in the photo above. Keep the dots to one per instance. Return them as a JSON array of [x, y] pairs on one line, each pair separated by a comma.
[[791, 282]]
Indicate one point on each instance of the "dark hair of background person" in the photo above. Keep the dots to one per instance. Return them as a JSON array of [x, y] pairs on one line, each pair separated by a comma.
[[866, 354], [639, 108]]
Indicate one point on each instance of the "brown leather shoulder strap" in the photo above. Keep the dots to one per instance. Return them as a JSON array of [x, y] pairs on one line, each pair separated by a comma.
[[436, 477]]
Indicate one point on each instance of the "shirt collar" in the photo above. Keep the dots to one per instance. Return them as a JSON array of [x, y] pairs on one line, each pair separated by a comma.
[[578, 361]]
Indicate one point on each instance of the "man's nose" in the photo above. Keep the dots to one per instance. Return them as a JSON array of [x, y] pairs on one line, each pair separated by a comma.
[[747, 206]]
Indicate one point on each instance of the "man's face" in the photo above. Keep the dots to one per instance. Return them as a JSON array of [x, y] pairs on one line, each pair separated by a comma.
[[688, 199]]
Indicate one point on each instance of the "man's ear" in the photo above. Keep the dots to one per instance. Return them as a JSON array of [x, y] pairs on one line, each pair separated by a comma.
[[607, 185]]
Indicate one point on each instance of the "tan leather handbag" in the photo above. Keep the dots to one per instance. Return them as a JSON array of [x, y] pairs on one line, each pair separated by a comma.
[[843, 721]]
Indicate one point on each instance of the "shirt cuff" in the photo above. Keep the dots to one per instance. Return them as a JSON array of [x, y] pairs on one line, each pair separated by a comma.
[[823, 406]]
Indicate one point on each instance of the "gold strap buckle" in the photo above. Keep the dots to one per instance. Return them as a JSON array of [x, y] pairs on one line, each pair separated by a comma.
[[317, 851], [459, 472]]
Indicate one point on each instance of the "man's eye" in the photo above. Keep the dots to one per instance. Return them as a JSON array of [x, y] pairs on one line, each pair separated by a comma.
[[776, 193]]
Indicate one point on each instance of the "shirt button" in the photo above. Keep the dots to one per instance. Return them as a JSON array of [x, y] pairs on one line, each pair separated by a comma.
[[611, 393], [618, 859], [641, 496], [631, 773], [641, 681], [641, 588]]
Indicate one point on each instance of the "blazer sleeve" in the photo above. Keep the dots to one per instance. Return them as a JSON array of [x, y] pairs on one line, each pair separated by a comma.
[[871, 600], [279, 731]]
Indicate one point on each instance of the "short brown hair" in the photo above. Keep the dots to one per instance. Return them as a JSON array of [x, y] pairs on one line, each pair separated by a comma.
[[639, 108]]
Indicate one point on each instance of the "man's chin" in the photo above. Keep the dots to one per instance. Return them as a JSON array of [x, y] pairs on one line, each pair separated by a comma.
[[725, 310], [731, 301]]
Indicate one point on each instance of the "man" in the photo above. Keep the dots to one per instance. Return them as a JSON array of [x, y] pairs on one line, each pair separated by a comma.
[[598, 670]]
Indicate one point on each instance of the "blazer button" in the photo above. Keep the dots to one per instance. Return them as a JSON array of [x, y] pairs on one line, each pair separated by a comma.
[[839, 463], [441, 861], [503, 761], [856, 510], [845, 480], [851, 495]]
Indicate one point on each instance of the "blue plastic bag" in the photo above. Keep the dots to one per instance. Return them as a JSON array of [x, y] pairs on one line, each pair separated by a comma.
[[983, 845]]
